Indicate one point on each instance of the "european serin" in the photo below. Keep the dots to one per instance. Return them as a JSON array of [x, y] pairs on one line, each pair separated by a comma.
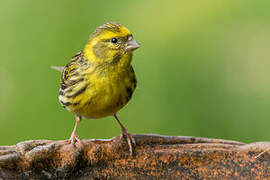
[[99, 80]]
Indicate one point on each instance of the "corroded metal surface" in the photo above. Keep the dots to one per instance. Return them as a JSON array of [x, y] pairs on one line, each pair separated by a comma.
[[156, 157]]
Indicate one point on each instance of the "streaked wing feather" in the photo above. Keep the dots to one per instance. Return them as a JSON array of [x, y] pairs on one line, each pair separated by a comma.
[[71, 70]]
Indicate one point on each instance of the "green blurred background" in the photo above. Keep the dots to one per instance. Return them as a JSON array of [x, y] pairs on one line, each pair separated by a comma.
[[202, 69]]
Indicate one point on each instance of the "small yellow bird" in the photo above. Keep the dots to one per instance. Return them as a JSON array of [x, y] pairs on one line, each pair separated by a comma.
[[99, 80]]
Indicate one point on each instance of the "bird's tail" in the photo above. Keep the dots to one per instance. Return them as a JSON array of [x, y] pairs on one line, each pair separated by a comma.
[[58, 68]]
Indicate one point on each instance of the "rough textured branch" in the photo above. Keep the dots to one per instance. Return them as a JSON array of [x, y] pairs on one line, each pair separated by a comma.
[[156, 157]]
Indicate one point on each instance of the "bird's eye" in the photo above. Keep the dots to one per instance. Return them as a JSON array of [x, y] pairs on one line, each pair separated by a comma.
[[114, 40]]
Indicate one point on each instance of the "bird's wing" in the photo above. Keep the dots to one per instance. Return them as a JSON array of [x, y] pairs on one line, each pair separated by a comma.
[[71, 71]]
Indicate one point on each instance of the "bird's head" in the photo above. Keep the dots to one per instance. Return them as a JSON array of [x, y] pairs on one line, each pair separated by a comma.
[[110, 42]]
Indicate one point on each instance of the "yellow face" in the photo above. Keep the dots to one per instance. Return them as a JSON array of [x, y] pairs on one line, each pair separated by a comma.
[[109, 42]]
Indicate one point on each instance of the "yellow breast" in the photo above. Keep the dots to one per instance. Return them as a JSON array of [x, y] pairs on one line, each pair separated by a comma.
[[106, 93]]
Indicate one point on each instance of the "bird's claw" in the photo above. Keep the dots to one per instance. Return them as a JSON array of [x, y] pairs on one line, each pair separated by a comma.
[[130, 140], [73, 139]]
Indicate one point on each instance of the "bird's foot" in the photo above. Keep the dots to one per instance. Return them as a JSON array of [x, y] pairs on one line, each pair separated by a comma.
[[130, 140], [73, 139]]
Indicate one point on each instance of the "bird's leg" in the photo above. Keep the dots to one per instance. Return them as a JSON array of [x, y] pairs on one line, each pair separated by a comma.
[[74, 138], [128, 137]]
